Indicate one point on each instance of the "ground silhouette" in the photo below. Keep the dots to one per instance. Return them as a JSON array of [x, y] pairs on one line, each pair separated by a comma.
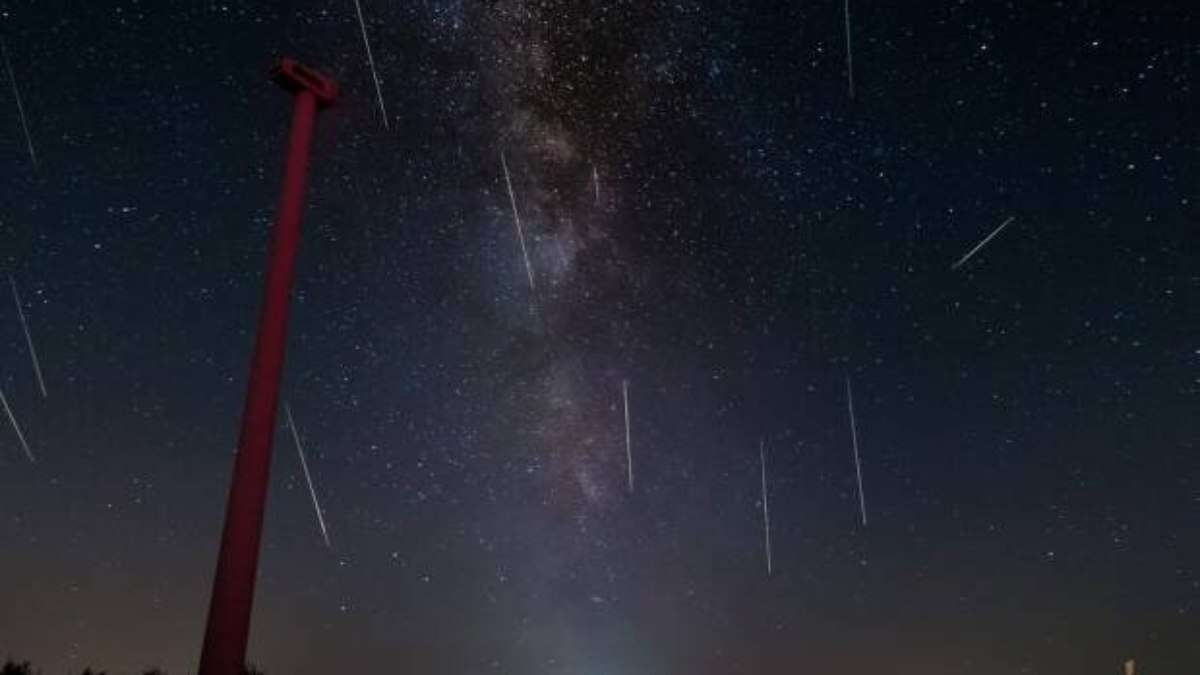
[[12, 667]]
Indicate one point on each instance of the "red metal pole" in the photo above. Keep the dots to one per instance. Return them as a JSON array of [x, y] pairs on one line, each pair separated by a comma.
[[227, 632]]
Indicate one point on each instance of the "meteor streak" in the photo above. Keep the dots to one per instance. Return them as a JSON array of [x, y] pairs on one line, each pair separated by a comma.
[[37, 366], [12, 79], [307, 477], [371, 61], [17, 428], [628, 444], [849, 51], [517, 219], [981, 244], [762, 458], [862, 502]]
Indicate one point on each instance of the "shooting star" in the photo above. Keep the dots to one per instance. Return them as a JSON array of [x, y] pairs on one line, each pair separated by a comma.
[[37, 366], [596, 183], [517, 219], [307, 477], [862, 501], [12, 79], [362, 24], [981, 244], [628, 444], [17, 428], [762, 458], [849, 51]]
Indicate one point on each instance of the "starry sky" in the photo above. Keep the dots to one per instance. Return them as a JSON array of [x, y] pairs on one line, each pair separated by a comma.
[[711, 217]]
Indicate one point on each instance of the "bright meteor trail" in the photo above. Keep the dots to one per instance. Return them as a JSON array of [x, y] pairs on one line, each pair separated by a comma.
[[512, 198], [17, 428], [12, 78], [287, 409], [371, 61], [981, 244]]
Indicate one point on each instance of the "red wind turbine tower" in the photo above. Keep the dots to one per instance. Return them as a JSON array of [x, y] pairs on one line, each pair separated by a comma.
[[228, 627]]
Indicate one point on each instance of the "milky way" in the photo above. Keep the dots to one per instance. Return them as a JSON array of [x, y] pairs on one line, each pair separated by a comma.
[[576, 332]]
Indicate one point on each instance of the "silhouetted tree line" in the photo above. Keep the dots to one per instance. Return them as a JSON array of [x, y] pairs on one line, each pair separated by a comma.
[[11, 667]]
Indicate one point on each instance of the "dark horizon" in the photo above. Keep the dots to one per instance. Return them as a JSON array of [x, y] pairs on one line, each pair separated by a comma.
[[709, 216], [17, 667]]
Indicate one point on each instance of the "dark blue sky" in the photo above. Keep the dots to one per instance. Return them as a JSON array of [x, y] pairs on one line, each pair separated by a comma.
[[1027, 422]]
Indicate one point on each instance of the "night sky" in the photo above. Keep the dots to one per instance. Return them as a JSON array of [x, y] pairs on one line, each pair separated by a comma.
[[751, 237]]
